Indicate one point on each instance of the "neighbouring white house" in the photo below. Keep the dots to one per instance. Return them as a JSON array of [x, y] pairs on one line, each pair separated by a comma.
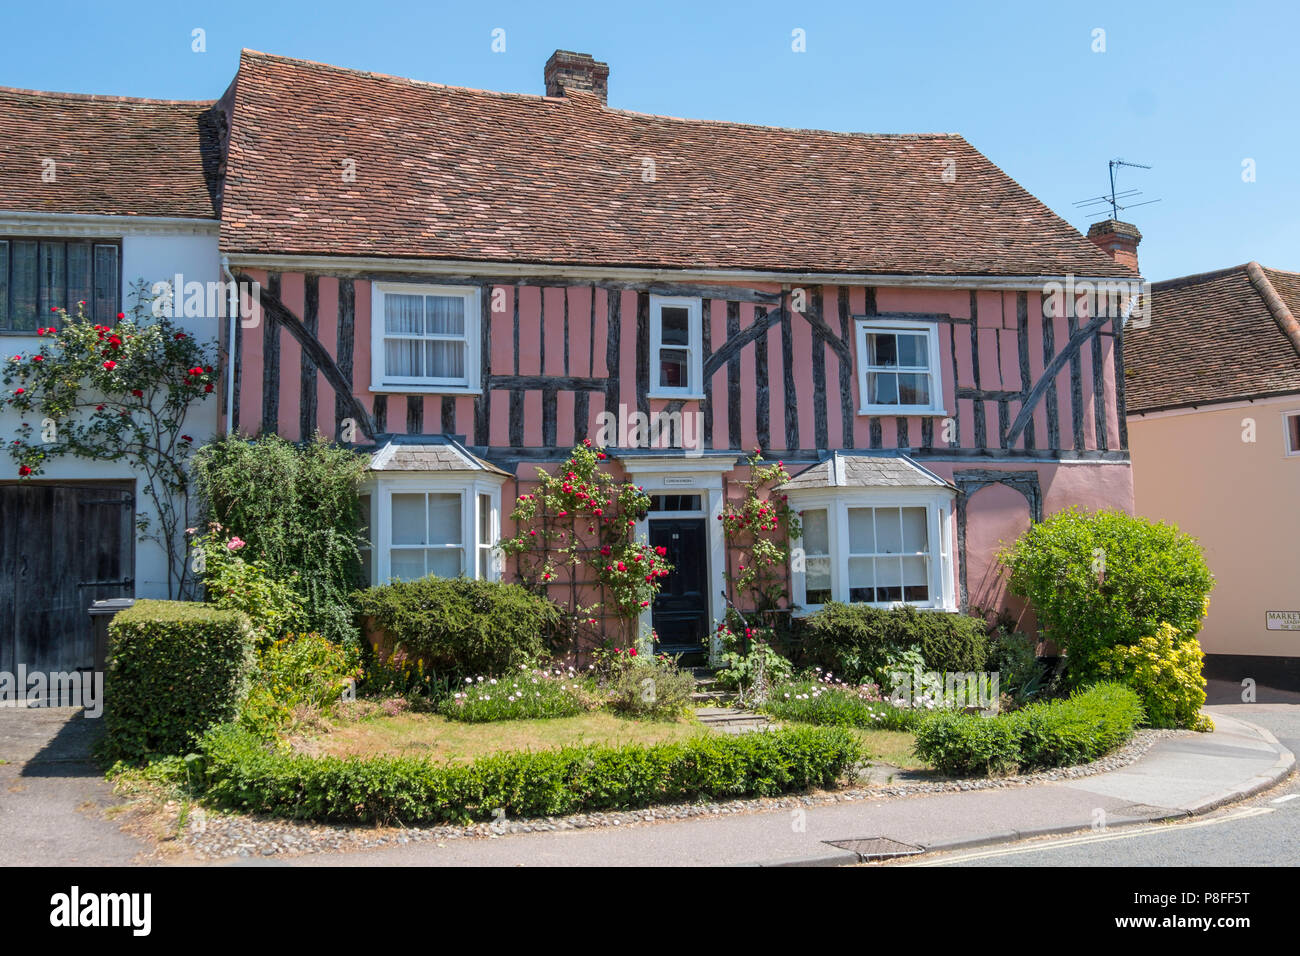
[[96, 193]]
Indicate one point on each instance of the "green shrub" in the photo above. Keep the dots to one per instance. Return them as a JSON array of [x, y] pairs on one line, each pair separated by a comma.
[[859, 643], [814, 702], [1015, 658], [1108, 579], [232, 583], [244, 773], [1166, 673], [175, 669], [463, 626], [300, 671], [526, 695], [648, 686], [1088, 725], [749, 656], [298, 509]]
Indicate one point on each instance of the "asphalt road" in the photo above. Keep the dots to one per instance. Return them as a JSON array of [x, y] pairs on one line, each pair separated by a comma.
[[1262, 831]]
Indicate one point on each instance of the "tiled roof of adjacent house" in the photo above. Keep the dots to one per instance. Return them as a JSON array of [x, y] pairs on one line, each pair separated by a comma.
[[449, 173], [864, 471], [111, 155], [1216, 337]]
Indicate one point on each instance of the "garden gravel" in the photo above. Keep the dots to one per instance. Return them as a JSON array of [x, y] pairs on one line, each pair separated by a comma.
[[216, 836]]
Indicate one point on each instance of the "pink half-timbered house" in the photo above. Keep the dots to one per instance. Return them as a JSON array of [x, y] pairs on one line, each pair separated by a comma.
[[472, 282], [469, 283]]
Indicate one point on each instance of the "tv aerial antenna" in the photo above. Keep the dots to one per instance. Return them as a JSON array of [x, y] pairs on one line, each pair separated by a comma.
[[1118, 201]]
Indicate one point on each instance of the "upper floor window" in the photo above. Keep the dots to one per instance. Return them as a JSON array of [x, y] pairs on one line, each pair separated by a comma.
[[424, 337], [898, 368], [1292, 422], [37, 275], [676, 349]]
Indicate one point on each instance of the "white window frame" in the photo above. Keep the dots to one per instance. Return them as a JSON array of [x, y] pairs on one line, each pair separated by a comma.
[[381, 381], [381, 491], [939, 531], [866, 326], [1286, 433], [695, 346]]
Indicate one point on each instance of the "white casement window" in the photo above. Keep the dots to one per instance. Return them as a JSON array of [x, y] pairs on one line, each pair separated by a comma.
[[898, 368], [676, 348], [424, 338], [444, 527], [866, 548], [1291, 421]]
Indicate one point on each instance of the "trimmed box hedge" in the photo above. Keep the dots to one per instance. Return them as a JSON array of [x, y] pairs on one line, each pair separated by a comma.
[[1058, 733], [245, 773], [176, 668], [854, 641]]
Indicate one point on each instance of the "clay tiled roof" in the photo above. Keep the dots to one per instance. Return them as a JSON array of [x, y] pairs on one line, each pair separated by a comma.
[[112, 156], [1216, 337], [449, 173], [864, 471]]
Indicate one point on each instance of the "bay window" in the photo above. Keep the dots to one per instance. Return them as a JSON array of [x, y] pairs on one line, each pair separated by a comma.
[[867, 547], [446, 527]]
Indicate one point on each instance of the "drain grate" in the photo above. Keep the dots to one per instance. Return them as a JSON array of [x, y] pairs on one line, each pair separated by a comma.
[[876, 848]]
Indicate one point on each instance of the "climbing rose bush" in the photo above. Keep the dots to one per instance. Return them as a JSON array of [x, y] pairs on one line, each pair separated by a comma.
[[119, 393]]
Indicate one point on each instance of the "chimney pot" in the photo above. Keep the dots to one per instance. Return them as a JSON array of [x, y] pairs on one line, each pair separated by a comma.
[[569, 71], [1117, 239]]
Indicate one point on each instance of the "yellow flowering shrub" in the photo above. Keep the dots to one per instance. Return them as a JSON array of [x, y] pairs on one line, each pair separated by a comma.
[[1165, 669]]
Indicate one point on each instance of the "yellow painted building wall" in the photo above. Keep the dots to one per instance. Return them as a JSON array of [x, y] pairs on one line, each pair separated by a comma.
[[1241, 499]]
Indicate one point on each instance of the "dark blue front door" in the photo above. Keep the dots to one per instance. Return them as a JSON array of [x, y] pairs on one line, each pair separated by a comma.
[[680, 613]]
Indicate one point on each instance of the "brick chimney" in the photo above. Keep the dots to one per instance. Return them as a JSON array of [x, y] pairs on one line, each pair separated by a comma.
[[1118, 239], [566, 71]]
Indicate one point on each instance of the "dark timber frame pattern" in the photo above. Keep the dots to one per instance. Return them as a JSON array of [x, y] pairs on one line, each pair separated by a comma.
[[772, 310], [971, 480]]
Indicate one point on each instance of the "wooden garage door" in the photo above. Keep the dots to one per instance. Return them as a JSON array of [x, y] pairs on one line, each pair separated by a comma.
[[62, 545]]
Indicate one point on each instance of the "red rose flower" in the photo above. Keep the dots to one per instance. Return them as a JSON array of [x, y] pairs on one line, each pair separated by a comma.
[[121, 315], [137, 393], [110, 365], [207, 388], [19, 391], [24, 471], [661, 551]]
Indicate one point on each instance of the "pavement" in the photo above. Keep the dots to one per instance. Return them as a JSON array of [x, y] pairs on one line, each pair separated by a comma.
[[53, 798], [52, 801]]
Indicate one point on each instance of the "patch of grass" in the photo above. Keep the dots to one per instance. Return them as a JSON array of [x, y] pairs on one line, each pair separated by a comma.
[[891, 747], [432, 735]]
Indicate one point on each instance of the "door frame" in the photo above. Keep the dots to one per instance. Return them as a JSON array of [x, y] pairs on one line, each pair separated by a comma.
[[677, 475]]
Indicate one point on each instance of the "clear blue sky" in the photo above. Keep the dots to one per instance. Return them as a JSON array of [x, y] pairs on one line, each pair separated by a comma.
[[1192, 89]]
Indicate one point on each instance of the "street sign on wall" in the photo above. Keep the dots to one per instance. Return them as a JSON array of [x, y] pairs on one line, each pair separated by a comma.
[[1282, 620]]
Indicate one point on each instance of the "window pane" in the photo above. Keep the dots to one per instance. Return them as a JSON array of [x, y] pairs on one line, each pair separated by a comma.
[[673, 365], [862, 580], [914, 389], [406, 565], [882, 350], [106, 284], [446, 359], [889, 533], [1293, 433], [675, 326], [4, 285], [403, 314], [485, 519], [817, 580], [889, 580], [446, 314], [444, 563], [402, 357], [816, 539], [54, 278], [444, 519], [408, 520], [23, 291], [882, 388], [862, 540], [914, 350], [80, 288], [914, 536], [915, 580], [483, 564]]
